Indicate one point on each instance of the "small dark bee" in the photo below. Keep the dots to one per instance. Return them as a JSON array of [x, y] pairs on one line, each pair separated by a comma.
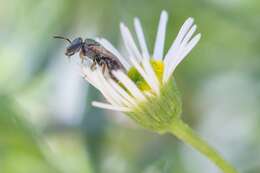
[[95, 51]]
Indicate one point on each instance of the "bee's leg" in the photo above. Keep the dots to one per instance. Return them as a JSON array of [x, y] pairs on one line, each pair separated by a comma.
[[103, 66], [93, 66], [82, 57], [112, 76]]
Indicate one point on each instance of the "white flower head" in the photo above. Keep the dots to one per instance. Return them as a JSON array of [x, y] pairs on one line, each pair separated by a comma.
[[154, 70]]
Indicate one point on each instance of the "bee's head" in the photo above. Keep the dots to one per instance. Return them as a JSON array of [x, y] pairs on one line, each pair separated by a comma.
[[74, 46]]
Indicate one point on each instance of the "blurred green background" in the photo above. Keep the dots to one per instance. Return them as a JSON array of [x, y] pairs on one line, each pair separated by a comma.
[[48, 125]]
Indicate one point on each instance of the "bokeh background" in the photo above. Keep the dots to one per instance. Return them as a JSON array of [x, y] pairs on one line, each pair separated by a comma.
[[48, 125]]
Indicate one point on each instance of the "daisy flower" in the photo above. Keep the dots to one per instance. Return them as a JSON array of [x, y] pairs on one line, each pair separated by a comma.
[[147, 92], [148, 73]]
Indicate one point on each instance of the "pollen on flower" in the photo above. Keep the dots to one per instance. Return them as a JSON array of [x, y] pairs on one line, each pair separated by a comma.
[[158, 68], [137, 78]]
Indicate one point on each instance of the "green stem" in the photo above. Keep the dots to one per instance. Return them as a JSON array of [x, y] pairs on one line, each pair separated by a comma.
[[187, 135]]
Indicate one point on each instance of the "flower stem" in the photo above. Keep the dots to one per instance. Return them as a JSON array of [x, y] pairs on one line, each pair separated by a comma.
[[187, 135]]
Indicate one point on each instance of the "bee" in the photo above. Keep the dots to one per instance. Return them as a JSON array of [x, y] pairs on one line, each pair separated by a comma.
[[93, 50]]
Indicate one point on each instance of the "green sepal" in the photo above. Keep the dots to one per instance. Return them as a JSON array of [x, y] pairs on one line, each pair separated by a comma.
[[159, 112]]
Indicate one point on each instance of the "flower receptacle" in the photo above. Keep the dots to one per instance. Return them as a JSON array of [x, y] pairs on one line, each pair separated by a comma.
[[160, 111]]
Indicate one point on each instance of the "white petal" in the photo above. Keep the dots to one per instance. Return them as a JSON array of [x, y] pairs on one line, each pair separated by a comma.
[[110, 107], [184, 29], [129, 84], [141, 38], [149, 70], [190, 45], [117, 98], [183, 54], [176, 55], [187, 37], [90, 77], [147, 77], [122, 92], [130, 43], [96, 79], [113, 50], [174, 50], [160, 38], [102, 89]]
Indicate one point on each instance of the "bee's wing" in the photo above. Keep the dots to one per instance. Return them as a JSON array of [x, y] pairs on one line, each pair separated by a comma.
[[103, 52]]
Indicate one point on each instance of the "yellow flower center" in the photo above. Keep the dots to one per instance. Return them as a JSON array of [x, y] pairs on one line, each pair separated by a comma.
[[133, 74]]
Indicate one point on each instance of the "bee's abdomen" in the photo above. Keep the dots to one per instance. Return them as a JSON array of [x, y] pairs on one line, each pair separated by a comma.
[[113, 64]]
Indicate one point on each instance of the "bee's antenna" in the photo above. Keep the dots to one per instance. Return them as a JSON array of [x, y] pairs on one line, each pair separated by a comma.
[[63, 38]]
